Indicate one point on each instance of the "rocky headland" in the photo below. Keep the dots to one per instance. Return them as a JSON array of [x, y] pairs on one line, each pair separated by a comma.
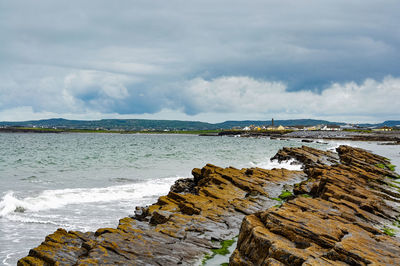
[[341, 209]]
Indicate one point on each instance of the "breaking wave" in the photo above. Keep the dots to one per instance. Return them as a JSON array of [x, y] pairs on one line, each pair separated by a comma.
[[54, 199], [270, 164]]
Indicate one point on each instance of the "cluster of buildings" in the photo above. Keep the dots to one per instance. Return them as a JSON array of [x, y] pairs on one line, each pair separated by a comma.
[[329, 127], [299, 127]]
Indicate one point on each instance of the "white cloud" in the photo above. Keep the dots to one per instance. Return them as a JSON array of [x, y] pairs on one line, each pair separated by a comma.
[[371, 98], [224, 98], [24, 113], [83, 83], [229, 94]]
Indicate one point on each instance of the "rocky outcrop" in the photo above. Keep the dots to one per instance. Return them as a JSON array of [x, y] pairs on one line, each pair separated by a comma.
[[179, 229], [307, 156], [339, 217], [344, 203]]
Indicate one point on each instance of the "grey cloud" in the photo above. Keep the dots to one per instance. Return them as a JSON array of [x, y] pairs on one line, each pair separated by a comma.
[[145, 52]]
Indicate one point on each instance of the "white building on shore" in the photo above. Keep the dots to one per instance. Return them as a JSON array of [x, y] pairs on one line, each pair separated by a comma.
[[331, 128]]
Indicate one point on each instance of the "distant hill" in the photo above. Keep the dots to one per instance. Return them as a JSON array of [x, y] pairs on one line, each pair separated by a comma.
[[147, 124], [115, 124], [389, 123]]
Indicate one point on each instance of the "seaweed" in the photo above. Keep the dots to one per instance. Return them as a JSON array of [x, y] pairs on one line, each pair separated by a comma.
[[388, 166], [380, 165], [223, 250], [285, 194], [389, 231], [283, 197], [391, 167], [396, 223]]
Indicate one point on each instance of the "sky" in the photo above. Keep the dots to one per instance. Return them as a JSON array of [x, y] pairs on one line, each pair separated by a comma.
[[200, 60]]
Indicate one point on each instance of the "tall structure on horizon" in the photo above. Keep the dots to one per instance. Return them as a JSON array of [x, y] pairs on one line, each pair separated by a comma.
[[272, 122]]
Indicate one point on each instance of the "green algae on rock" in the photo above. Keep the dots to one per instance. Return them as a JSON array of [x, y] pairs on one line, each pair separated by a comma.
[[223, 250]]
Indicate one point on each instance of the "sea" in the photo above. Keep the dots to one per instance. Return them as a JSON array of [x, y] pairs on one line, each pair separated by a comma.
[[84, 181]]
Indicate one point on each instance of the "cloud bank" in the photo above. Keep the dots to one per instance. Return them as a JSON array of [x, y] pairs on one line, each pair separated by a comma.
[[98, 95], [207, 60]]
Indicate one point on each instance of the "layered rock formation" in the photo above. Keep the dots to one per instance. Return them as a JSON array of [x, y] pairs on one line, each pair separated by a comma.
[[179, 229], [338, 218], [344, 201]]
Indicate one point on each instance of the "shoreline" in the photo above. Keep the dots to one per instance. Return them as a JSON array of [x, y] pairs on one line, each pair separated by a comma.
[[186, 203], [66, 131], [393, 136]]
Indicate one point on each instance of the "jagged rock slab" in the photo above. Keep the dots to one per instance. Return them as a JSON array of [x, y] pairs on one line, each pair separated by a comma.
[[178, 229], [336, 219], [343, 201], [307, 156]]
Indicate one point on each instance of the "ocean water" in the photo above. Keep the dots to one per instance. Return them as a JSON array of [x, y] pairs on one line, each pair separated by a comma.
[[86, 181]]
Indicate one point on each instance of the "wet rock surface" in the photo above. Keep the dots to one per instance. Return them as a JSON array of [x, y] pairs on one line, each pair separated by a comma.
[[307, 156], [337, 218], [179, 229], [342, 202]]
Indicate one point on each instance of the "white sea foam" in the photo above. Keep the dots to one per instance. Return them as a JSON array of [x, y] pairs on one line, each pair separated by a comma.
[[270, 164], [54, 199], [23, 219], [338, 144]]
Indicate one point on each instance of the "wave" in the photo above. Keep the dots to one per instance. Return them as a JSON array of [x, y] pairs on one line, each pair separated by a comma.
[[22, 219], [270, 164], [11, 204], [54, 199], [337, 144]]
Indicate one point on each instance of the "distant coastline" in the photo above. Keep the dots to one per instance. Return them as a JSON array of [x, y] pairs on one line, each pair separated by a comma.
[[392, 137], [177, 125], [66, 130]]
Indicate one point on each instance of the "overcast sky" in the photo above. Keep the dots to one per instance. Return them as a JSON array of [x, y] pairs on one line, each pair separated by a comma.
[[200, 60]]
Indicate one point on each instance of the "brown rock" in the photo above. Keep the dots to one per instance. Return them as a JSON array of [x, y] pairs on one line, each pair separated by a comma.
[[307, 156], [178, 229], [340, 225], [339, 222]]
